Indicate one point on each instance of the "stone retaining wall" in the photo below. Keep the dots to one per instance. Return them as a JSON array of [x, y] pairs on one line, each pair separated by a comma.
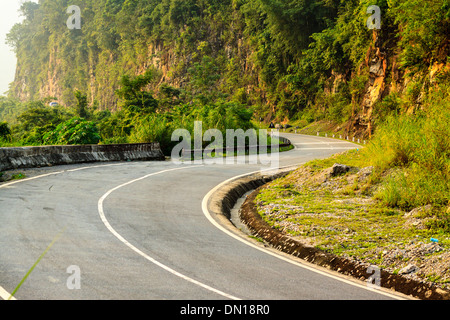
[[31, 157]]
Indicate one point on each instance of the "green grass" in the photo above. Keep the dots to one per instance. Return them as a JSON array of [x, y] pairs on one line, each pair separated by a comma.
[[362, 218], [353, 158], [18, 176], [415, 150], [354, 225]]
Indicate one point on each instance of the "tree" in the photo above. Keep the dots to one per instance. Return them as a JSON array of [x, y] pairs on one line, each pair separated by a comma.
[[424, 32], [5, 132], [291, 23], [36, 121], [82, 105], [134, 96], [39, 115], [168, 96], [205, 76]]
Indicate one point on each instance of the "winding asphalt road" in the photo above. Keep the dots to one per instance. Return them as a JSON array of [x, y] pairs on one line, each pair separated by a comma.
[[141, 231]]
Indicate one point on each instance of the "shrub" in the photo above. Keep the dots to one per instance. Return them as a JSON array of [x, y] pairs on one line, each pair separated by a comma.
[[74, 131], [418, 148], [5, 132], [153, 128]]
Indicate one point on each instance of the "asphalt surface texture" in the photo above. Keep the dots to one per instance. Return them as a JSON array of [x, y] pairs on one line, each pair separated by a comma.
[[140, 231]]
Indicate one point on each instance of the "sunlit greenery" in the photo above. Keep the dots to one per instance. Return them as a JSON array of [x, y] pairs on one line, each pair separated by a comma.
[[276, 55]]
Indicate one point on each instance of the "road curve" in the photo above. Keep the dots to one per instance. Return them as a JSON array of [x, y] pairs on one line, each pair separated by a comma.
[[139, 231]]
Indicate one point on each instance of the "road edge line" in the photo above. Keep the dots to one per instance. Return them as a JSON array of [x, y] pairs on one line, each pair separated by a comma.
[[208, 215]]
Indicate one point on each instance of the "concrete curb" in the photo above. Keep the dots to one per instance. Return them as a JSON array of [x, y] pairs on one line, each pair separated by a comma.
[[226, 198], [32, 157]]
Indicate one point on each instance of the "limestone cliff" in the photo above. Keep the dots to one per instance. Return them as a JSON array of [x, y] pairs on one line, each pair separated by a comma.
[[252, 55]]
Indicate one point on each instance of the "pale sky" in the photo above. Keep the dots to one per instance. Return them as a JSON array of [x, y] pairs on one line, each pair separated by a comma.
[[9, 15]]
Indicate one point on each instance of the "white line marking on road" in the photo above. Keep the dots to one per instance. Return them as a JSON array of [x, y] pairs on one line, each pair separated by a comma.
[[5, 295], [28, 179], [323, 142], [56, 173], [231, 234], [99, 166], [152, 260]]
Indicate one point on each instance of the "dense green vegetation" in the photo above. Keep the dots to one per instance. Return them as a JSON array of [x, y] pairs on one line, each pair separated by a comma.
[[416, 153], [283, 57], [141, 118]]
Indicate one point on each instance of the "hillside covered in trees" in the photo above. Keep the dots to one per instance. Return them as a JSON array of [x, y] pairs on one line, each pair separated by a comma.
[[287, 60], [135, 70]]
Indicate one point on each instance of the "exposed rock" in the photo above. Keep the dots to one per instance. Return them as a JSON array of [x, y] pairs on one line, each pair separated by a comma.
[[376, 68], [417, 218], [338, 169], [364, 173], [416, 212], [410, 268]]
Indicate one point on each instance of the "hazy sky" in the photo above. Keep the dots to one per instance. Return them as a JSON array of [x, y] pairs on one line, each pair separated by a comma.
[[9, 15]]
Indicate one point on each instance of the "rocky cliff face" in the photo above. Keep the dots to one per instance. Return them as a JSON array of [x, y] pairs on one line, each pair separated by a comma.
[[80, 60], [384, 78], [379, 66], [94, 59]]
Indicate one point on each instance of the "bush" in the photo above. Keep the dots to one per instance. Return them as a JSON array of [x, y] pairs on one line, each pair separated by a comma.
[[418, 148], [5, 132], [414, 187], [75, 131], [154, 128], [394, 142]]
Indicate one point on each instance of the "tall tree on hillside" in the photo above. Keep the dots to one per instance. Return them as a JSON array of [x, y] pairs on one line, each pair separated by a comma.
[[135, 98]]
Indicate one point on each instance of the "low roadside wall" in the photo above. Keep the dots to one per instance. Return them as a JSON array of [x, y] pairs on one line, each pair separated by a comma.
[[31, 157]]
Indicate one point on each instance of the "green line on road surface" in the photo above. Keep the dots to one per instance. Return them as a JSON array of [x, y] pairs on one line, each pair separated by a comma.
[[36, 263]]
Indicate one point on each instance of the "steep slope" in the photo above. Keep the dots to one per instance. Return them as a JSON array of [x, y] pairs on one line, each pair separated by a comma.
[[296, 60]]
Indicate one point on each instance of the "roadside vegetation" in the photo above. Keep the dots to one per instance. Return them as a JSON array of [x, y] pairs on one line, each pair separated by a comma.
[[390, 209], [143, 117]]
